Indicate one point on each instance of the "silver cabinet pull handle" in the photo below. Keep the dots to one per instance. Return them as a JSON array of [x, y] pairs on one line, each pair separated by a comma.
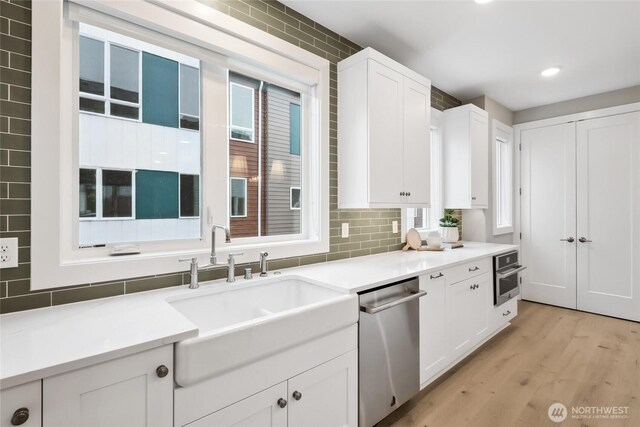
[[584, 240], [568, 239], [507, 313], [476, 268], [297, 395], [436, 277], [376, 309], [282, 403]]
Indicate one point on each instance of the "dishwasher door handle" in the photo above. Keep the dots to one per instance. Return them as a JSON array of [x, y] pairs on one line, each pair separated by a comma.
[[377, 309]]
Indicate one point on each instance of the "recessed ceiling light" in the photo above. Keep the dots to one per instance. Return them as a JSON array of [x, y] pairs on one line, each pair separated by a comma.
[[482, 1], [550, 72]]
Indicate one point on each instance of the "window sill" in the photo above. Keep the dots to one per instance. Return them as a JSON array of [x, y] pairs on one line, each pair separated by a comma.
[[502, 230]]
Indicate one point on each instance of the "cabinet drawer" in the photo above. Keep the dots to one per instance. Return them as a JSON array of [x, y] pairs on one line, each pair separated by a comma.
[[504, 313], [468, 270], [22, 403]]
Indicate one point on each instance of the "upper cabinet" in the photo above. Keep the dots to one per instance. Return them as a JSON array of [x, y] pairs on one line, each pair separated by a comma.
[[383, 133], [466, 157]]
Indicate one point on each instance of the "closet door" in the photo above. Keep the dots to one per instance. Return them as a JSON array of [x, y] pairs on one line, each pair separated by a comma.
[[548, 214], [608, 200]]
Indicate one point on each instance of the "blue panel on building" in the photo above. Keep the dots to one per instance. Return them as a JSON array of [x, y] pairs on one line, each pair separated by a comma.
[[159, 90], [156, 194]]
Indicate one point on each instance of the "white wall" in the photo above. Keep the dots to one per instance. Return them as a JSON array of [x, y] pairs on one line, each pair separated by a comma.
[[594, 102]]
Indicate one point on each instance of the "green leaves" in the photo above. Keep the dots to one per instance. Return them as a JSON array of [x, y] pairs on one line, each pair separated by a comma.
[[448, 220]]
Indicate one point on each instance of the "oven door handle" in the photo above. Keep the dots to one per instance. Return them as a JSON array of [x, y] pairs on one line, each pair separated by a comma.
[[376, 309], [510, 272]]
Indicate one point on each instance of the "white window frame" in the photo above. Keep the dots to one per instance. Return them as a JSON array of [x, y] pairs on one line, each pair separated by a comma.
[[502, 134], [433, 213], [253, 109], [180, 113], [291, 207], [198, 31], [100, 195], [246, 204]]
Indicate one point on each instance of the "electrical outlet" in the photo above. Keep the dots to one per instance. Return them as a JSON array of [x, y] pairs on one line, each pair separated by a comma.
[[9, 252], [345, 230], [394, 226]]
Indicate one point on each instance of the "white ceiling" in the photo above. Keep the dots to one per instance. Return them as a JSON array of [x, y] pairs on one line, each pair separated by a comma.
[[500, 48]]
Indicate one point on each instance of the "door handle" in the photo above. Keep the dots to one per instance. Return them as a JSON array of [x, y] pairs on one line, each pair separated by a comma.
[[584, 240], [505, 274], [568, 239], [376, 309]]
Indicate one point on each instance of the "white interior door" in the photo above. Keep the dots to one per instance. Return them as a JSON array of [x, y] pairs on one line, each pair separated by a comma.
[[548, 214], [386, 159], [608, 201]]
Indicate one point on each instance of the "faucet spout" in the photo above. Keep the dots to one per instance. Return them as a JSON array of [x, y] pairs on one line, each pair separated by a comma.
[[227, 235]]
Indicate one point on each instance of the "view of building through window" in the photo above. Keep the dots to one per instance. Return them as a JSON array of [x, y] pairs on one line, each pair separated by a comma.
[[264, 158], [139, 141]]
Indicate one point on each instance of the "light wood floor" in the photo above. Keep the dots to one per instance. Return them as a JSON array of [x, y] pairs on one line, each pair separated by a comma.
[[547, 355]]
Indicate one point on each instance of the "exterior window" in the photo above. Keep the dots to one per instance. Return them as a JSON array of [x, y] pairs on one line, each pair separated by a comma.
[[189, 97], [294, 199], [272, 166], [129, 171], [294, 125], [116, 194], [241, 118], [189, 195], [427, 218], [503, 178], [91, 75], [87, 193], [125, 82], [156, 194], [238, 201]]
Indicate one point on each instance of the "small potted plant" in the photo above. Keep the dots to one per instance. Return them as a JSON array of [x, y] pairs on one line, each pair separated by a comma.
[[449, 227]]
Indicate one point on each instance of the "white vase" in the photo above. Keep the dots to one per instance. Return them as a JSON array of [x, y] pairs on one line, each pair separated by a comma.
[[449, 234]]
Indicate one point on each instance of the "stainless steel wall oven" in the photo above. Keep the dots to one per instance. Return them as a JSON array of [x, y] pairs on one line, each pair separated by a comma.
[[506, 277]]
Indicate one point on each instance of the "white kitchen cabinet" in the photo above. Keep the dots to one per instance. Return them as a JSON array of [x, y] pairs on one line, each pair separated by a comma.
[[503, 313], [261, 409], [21, 405], [383, 131], [135, 390], [466, 157], [434, 353], [468, 306], [324, 396], [327, 395]]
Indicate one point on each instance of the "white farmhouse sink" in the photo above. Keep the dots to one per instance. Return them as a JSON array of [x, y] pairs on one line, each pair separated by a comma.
[[246, 323]]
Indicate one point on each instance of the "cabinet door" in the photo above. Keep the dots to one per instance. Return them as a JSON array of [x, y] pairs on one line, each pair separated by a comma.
[[21, 403], [261, 409], [608, 204], [327, 395], [548, 214], [385, 134], [417, 152], [121, 392], [480, 306], [479, 140], [434, 355], [458, 317]]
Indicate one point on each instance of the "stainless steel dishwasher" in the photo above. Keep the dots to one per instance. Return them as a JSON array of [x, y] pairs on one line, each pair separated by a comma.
[[389, 343]]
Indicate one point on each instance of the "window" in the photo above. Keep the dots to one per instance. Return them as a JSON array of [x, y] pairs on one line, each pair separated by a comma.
[[183, 80], [116, 194], [238, 195], [503, 178], [189, 195], [87, 193], [294, 126], [427, 218], [241, 118], [294, 198]]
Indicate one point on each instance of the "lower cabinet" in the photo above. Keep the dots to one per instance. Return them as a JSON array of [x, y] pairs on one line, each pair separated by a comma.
[[468, 307], [135, 390], [21, 405], [504, 313], [434, 353], [324, 396]]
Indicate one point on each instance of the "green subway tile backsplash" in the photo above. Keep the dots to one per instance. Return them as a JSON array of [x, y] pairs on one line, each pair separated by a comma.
[[370, 230]]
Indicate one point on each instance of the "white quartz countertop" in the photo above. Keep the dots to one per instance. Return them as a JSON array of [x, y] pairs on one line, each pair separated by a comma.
[[41, 343]]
